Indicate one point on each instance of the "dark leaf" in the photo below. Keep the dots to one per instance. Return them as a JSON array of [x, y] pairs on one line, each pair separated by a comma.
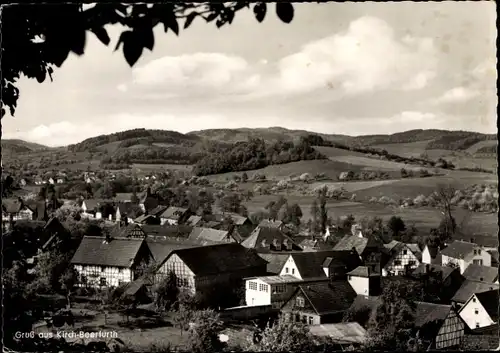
[[189, 19], [230, 17], [171, 22], [284, 10], [260, 11], [78, 41], [41, 74], [60, 55], [102, 35], [123, 37], [211, 17], [132, 49], [3, 112], [50, 72], [146, 35], [219, 23]]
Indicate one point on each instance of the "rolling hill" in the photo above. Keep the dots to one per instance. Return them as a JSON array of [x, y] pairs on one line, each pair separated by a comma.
[[20, 146]]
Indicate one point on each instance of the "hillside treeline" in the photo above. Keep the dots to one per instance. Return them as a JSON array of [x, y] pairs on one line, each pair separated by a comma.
[[458, 141], [487, 149], [255, 154], [139, 134]]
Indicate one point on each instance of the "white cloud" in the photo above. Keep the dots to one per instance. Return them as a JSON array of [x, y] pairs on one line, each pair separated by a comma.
[[199, 72], [457, 95], [366, 57], [122, 87]]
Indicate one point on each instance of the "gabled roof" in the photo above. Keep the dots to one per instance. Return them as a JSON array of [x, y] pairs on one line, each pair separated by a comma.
[[168, 231], [128, 208], [219, 258], [349, 242], [362, 271], [481, 273], [194, 220], [310, 264], [237, 219], [277, 279], [471, 287], [119, 252], [158, 210], [275, 262], [485, 240], [345, 258], [343, 333], [12, 205], [208, 235], [445, 270], [415, 249], [328, 297], [174, 213], [123, 196], [433, 251], [270, 223], [426, 313], [490, 302], [143, 218], [269, 236], [161, 249], [94, 204], [459, 249], [130, 230]]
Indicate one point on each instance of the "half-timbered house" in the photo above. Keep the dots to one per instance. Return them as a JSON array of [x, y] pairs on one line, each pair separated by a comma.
[[110, 262], [270, 240], [401, 258]]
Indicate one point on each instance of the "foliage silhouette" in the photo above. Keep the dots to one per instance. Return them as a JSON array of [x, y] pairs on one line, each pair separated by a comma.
[[38, 37]]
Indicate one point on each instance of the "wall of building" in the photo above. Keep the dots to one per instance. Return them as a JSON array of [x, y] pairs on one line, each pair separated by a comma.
[[481, 255], [451, 332], [396, 266], [473, 313], [257, 292], [290, 268], [185, 277], [359, 284], [90, 276]]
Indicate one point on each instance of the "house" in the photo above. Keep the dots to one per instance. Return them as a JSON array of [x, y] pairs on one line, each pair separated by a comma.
[[402, 258], [364, 281], [431, 255], [320, 264], [270, 223], [242, 224], [110, 262], [439, 325], [481, 309], [51, 181], [60, 180], [319, 302], [147, 219], [127, 210], [468, 288], [269, 240], [487, 241], [451, 279], [201, 268], [365, 246], [14, 210], [93, 207], [270, 290], [157, 211], [161, 248], [38, 180], [194, 221], [174, 216], [207, 236], [125, 230], [463, 254], [481, 273], [275, 262]]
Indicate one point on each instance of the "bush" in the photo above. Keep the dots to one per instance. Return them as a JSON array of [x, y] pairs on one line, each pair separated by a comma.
[[420, 200]]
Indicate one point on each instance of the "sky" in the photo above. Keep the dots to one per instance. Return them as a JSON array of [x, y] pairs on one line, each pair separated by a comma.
[[337, 68]]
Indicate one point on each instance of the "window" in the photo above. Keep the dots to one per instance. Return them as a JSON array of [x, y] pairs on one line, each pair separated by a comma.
[[479, 251], [405, 252], [475, 252], [476, 311], [252, 285], [304, 319], [397, 262], [120, 283], [311, 320], [286, 269], [83, 279], [411, 262], [473, 300], [477, 324], [293, 271], [102, 282], [297, 318], [102, 268], [300, 302], [263, 287], [477, 262]]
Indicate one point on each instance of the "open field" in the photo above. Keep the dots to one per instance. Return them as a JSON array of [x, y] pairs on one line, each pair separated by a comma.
[[162, 167], [409, 149], [472, 149], [424, 218]]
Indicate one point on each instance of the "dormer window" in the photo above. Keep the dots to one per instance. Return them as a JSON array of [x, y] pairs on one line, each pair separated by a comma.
[[300, 302]]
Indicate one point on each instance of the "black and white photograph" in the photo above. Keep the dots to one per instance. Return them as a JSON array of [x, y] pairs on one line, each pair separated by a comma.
[[249, 176]]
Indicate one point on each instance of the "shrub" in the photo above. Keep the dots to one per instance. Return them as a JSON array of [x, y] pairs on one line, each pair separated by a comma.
[[420, 200]]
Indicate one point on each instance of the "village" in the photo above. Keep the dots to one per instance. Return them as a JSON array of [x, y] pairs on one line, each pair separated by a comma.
[[331, 280]]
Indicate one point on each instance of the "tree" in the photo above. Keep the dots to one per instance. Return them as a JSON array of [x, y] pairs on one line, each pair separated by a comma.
[[315, 226], [292, 214], [323, 213], [38, 38], [274, 207], [182, 317], [67, 281], [284, 336], [134, 199], [204, 332], [392, 324], [396, 226], [166, 293], [244, 177], [443, 197]]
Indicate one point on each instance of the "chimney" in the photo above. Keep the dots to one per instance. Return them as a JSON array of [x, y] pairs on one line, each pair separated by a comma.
[[472, 240]]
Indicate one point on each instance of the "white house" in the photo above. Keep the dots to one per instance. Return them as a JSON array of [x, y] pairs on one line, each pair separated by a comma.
[[481, 309], [110, 262], [364, 281], [464, 253], [431, 255], [403, 257], [174, 216], [269, 290]]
